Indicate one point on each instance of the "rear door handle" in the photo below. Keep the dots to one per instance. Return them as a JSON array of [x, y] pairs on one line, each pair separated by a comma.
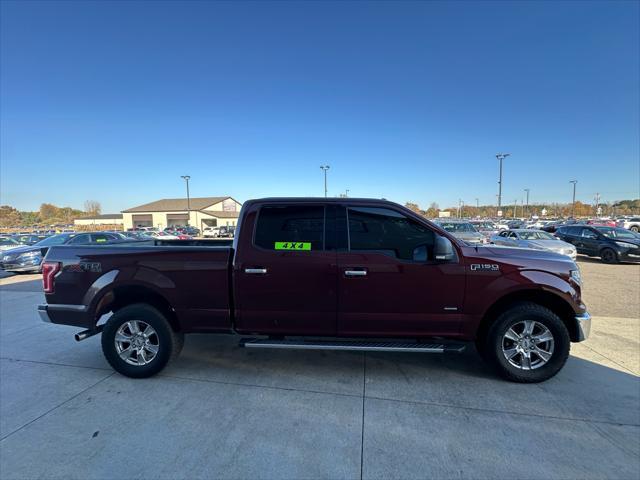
[[355, 273], [255, 271]]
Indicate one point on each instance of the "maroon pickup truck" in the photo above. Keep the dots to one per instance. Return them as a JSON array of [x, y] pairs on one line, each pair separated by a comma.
[[337, 274]]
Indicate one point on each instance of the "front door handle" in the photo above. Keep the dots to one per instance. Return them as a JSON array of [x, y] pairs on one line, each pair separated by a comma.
[[255, 271], [355, 273]]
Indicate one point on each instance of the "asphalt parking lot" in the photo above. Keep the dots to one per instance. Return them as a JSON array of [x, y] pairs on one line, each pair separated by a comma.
[[225, 412]]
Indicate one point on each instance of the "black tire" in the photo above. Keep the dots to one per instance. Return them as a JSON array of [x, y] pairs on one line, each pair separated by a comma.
[[493, 347], [608, 255], [169, 343], [635, 228]]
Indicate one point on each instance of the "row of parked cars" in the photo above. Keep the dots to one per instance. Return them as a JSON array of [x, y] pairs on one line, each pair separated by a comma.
[[594, 238], [20, 254], [187, 232]]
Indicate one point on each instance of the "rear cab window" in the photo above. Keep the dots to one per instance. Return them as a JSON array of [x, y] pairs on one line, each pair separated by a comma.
[[291, 228]]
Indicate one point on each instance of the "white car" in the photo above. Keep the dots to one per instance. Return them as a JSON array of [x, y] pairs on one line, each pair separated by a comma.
[[535, 239], [632, 224], [211, 232], [161, 235]]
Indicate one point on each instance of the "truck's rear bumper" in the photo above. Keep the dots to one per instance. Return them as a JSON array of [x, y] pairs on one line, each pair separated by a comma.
[[583, 326], [75, 315]]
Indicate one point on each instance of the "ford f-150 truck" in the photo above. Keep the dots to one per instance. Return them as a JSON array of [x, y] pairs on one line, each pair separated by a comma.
[[341, 274]]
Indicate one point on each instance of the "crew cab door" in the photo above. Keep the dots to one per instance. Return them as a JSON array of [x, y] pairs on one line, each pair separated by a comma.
[[389, 282], [285, 279]]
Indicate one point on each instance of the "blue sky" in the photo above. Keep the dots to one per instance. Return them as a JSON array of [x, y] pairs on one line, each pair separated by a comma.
[[113, 101]]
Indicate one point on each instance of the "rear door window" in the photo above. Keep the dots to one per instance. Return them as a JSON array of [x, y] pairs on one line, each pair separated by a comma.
[[80, 240], [291, 228], [389, 232], [101, 238]]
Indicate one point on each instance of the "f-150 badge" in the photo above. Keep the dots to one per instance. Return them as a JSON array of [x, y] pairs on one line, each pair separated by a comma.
[[485, 267]]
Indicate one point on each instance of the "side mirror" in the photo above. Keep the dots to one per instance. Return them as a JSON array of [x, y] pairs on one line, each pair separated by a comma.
[[443, 250]]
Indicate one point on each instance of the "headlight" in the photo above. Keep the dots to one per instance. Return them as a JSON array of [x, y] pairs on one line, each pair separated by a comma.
[[575, 275], [626, 245], [28, 255]]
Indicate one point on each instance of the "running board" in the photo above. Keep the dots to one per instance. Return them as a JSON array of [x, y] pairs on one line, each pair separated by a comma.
[[368, 346]]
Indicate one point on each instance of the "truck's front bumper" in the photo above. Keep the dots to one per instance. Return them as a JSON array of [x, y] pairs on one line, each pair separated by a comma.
[[583, 326]]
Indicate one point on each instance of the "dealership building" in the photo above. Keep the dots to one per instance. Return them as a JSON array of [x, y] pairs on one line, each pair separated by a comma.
[[197, 212]]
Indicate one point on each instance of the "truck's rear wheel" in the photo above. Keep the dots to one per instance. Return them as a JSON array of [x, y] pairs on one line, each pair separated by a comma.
[[138, 341], [528, 343]]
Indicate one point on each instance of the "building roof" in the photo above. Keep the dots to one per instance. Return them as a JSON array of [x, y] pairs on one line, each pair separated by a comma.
[[221, 214], [104, 216], [176, 204]]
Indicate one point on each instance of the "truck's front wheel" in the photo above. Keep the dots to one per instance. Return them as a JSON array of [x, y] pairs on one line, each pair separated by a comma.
[[528, 343], [138, 341]]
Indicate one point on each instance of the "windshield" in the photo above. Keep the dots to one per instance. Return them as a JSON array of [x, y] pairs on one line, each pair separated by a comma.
[[8, 241], [612, 232], [55, 240], [536, 236], [457, 227]]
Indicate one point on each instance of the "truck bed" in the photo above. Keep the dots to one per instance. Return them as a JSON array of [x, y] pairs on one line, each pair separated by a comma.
[[193, 280]]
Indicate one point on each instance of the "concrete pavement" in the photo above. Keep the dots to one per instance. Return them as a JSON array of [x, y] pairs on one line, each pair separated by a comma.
[[224, 412]]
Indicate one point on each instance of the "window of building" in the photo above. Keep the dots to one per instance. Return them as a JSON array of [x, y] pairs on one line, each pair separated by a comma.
[[386, 231], [291, 228]]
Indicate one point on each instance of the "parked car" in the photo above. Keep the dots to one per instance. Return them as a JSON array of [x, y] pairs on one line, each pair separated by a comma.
[[485, 227], [29, 239], [463, 230], [601, 222], [611, 244], [552, 226], [7, 243], [536, 239], [632, 224], [227, 231], [211, 232], [397, 276], [138, 235], [28, 258], [164, 235], [515, 224]]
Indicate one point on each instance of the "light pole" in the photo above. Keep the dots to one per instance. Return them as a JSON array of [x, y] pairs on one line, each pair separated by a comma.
[[500, 157], [325, 168], [186, 179], [573, 202], [527, 210]]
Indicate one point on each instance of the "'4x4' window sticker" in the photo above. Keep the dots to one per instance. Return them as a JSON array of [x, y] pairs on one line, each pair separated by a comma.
[[292, 246]]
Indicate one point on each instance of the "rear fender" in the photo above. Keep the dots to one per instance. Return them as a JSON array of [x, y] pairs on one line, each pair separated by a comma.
[[99, 296]]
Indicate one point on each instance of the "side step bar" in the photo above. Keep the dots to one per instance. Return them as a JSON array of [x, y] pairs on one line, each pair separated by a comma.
[[353, 345]]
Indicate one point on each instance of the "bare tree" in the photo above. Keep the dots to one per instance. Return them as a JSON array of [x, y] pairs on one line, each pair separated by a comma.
[[92, 207]]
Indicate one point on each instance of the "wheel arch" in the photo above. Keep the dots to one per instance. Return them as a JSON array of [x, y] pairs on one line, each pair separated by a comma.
[[123, 295], [547, 299]]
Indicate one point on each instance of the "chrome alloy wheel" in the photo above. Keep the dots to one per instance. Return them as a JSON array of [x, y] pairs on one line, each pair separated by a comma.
[[528, 345], [137, 342]]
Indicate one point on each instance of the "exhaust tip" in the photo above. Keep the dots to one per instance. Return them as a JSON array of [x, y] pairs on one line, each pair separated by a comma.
[[87, 333]]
